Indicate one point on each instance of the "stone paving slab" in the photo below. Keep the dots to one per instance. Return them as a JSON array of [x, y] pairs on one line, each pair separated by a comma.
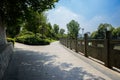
[[53, 62]]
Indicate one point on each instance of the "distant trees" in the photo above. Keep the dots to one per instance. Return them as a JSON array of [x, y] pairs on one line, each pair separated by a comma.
[[100, 33], [56, 31], [116, 33], [49, 31], [73, 29], [102, 28], [56, 28], [62, 31], [94, 35]]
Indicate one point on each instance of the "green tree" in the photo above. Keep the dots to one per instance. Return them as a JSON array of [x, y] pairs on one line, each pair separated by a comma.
[[56, 31], [49, 32], [94, 35], [36, 22], [73, 28], [103, 28], [62, 31], [13, 10], [56, 28], [32, 21], [116, 33], [100, 33]]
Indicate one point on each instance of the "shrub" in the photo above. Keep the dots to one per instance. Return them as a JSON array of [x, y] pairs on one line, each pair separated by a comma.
[[11, 40], [32, 40], [44, 42], [25, 32]]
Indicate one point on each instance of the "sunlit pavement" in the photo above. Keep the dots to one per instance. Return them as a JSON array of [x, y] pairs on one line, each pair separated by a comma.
[[54, 62]]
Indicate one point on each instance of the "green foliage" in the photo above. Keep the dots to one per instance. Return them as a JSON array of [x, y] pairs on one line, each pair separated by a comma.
[[100, 33], [13, 31], [30, 38], [56, 28], [73, 28], [102, 28], [62, 31], [116, 33], [53, 31], [94, 35], [36, 22], [25, 32], [16, 13], [11, 40], [49, 31], [12, 11]]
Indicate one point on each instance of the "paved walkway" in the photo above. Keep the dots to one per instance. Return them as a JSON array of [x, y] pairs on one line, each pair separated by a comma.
[[54, 62]]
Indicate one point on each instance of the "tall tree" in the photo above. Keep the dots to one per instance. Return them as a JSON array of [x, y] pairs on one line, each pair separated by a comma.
[[102, 28], [62, 31], [56, 28], [49, 32], [100, 33], [13, 10], [73, 28], [35, 22]]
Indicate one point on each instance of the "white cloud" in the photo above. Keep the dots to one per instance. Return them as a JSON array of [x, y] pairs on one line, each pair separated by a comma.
[[63, 15], [92, 24]]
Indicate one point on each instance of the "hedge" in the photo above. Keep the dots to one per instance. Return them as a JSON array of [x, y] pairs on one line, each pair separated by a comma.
[[32, 40]]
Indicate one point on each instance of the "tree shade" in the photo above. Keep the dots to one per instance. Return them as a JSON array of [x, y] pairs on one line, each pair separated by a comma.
[[14, 11]]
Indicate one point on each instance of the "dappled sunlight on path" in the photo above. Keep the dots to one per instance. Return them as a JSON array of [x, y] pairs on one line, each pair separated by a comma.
[[51, 62]]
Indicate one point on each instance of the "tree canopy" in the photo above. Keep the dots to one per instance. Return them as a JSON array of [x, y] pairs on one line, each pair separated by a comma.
[[13, 10], [35, 22], [102, 28], [116, 33], [73, 28], [62, 31], [56, 28]]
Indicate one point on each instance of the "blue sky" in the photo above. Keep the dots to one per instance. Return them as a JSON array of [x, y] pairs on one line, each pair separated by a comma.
[[88, 13]]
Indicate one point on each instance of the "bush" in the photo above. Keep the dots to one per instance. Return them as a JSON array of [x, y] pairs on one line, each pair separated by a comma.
[[27, 37], [44, 41], [11, 40], [25, 32], [32, 40]]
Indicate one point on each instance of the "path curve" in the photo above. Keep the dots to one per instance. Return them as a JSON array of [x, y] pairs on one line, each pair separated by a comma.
[[51, 62]]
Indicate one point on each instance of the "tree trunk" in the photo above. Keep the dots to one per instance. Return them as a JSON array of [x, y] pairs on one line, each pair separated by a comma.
[[3, 40]]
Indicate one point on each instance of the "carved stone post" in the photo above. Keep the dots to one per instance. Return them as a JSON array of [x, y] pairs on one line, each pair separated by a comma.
[[107, 49], [86, 44]]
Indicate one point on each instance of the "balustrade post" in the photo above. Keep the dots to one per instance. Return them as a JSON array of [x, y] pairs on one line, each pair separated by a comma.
[[70, 43], [107, 49], [86, 44], [67, 42], [76, 45]]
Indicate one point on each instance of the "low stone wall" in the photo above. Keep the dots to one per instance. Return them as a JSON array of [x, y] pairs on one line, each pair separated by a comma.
[[5, 55]]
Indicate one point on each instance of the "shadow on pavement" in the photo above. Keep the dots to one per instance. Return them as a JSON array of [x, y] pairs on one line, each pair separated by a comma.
[[30, 65]]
